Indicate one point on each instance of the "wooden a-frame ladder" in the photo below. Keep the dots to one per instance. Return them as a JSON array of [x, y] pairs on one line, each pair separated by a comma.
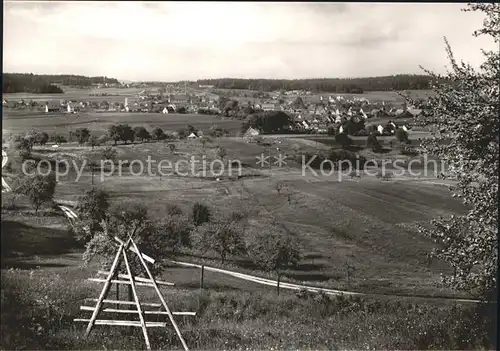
[[113, 277]]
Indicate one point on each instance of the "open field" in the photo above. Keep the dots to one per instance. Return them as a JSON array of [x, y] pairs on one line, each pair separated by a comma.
[[99, 122], [79, 94], [367, 224]]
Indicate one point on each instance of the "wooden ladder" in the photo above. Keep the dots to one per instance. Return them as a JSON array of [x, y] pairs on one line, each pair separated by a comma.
[[114, 277]]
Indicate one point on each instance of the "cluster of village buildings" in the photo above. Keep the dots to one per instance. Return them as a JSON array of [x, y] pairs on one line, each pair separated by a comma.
[[141, 103], [320, 112], [309, 112]]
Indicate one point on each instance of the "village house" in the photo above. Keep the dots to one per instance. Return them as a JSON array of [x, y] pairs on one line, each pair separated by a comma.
[[179, 99], [53, 106], [269, 107], [410, 113], [72, 107], [251, 132]]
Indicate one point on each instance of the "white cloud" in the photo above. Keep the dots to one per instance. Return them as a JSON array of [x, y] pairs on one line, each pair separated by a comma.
[[186, 40]]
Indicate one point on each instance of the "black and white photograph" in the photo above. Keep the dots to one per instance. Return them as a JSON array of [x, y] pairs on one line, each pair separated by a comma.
[[243, 175]]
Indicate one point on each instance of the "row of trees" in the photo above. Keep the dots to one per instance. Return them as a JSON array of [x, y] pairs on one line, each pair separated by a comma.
[[47, 84], [28, 83], [334, 85], [200, 230]]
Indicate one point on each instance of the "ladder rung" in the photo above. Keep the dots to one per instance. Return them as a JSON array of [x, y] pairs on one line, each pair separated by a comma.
[[119, 302], [114, 310], [139, 279], [123, 323], [126, 282]]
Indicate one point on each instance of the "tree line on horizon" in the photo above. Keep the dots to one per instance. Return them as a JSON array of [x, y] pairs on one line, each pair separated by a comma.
[[47, 84], [333, 85]]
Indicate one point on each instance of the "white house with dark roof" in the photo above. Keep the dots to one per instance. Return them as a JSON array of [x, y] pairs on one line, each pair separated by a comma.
[[251, 132], [53, 106]]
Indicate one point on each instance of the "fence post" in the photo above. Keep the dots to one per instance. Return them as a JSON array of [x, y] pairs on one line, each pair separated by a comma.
[[278, 285], [201, 276]]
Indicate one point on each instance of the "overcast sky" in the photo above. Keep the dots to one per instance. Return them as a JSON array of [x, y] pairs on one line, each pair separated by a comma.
[[189, 40]]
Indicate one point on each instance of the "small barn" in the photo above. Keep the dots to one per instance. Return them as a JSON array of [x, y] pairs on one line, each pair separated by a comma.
[[192, 136]]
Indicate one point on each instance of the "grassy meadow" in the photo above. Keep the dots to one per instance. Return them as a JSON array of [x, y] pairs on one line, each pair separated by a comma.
[[86, 94], [363, 224], [98, 122]]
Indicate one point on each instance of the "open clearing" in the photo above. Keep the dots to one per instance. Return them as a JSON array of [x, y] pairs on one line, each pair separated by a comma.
[[79, 94], [19, 122]]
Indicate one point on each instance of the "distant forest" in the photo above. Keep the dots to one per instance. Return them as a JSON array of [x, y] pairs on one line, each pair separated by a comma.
[[333, 85], [47, 84]]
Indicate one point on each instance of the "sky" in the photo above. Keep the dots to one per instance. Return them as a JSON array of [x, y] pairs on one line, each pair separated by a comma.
[[174, 41]]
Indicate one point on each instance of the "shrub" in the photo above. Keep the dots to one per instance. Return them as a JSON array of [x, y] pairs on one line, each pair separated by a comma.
[[141, 133], [173, 210], [237, 216], [343, 140], [82, 135], [222, 236], [23, 146], [274, 251], [216, 131], [41, 138], [109, 153], [182, 133], [39, 189], [103, 139], [201, 214], [173, 233], [373, 143], [92, 208], [401, 135]]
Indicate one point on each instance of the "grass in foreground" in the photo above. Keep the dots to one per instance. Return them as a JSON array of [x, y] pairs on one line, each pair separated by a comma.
[[37, 313]]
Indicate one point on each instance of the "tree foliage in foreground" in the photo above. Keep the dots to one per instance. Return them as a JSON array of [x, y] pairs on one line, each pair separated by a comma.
[[223, 237], [123, 221], [274, 251], [92, 209], [466, 112], [39, 189], [201, 214]]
